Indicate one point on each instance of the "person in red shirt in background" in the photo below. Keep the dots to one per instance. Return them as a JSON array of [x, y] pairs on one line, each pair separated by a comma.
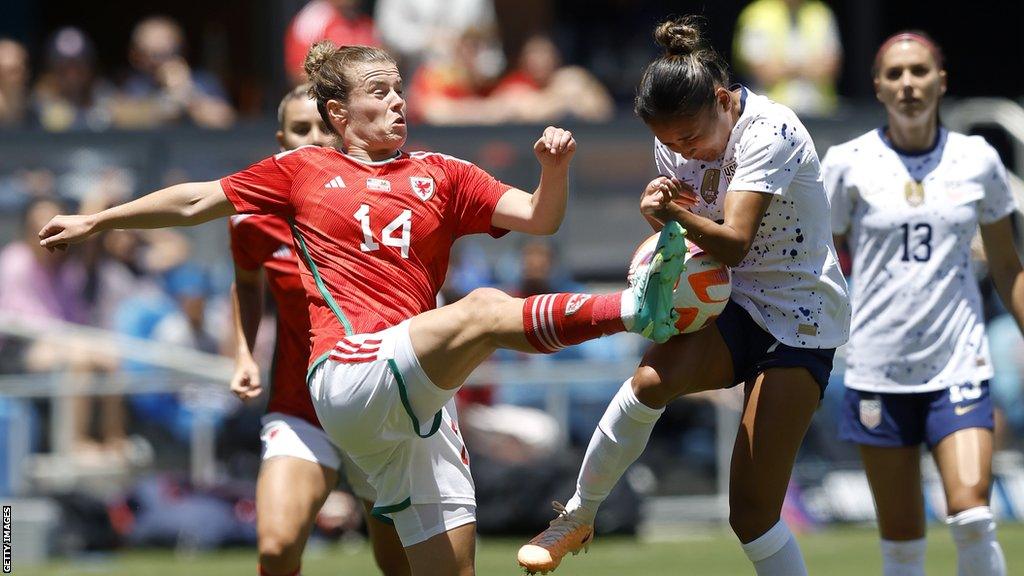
[[456, 89], [541, 89], [300, 464], [343, 22]]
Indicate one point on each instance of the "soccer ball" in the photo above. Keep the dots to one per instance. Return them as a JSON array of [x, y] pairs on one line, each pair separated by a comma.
[[702, 291]]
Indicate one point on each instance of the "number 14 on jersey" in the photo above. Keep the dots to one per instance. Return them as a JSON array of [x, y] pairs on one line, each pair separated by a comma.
[[388, 235]]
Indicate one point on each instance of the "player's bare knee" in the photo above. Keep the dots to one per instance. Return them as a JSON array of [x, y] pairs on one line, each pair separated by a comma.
[[965, 499], [484, 299], [276, 546], [752, 514], [902, 529], [657, 387], [482, 308]]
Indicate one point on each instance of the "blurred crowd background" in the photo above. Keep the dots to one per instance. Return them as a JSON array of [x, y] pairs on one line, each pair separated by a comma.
[[100, 103]]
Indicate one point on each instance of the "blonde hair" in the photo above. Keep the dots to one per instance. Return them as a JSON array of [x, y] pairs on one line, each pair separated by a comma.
[[327, 67]]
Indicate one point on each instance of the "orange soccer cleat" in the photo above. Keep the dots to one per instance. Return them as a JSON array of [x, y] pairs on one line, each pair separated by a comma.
[[566, 534]]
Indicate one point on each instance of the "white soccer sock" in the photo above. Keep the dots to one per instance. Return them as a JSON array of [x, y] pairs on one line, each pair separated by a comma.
[[903, 557], [775, 553], [620, 438], [978, 551]]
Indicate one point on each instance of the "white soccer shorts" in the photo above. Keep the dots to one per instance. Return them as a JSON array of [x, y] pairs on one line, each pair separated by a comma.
[[364, 393], [285, 435]]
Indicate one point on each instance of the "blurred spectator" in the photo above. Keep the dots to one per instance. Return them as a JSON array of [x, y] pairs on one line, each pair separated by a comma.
[[35, 283], [189, 325], [343, 22], [69, 95], [541, 89], [17, 188], [418, 31], [790, 50], [180, 316], [127, 264], [13, 84], [162, 88], [540, 272], [40, 286], [457, 90]]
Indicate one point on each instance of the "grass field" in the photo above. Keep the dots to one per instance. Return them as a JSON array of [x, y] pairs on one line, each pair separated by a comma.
[[838, 552]]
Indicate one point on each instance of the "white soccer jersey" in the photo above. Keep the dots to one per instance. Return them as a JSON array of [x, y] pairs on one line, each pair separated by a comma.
[[909, 220], [790, 281]]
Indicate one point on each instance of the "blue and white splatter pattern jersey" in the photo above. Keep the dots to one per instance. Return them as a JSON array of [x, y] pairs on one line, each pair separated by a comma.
[[909, 219], [790, 282]]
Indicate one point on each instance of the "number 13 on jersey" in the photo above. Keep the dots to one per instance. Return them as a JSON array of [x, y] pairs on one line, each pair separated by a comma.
[[387, 235]]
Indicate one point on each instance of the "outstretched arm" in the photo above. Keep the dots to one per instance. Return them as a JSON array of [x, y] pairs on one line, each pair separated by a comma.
[[179, 205], [541, 213]]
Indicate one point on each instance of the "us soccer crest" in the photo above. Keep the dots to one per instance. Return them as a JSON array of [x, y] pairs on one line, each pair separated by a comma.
[[423, 187], [914, 193], [870, 412], [709, 185]]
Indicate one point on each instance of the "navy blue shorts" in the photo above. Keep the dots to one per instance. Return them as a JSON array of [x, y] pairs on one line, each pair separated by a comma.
[[753, 350], [895, 420]]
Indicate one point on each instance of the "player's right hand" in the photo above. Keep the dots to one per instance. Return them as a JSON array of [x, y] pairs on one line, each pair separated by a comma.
[[61, 231], [245, 383]]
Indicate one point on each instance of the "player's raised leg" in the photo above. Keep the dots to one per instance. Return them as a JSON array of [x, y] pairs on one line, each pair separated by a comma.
[[452, 341]]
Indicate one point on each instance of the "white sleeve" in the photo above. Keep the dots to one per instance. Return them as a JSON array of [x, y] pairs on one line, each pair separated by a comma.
[[664, 160], [998, 201], [833, 176], [768, 156]]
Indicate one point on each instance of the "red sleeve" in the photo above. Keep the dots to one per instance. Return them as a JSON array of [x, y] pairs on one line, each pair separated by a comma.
[[265, 187], [476, 195], [241, 245]]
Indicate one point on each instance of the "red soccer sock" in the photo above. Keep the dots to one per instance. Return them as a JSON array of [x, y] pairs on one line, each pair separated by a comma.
[[297, 572], [553, 321]]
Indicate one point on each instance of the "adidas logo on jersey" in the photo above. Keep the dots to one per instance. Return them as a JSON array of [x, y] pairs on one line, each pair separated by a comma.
[[335, 182]]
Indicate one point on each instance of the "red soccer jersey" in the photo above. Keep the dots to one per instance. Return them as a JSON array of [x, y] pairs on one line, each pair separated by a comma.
[[266, 241], [375, 237]]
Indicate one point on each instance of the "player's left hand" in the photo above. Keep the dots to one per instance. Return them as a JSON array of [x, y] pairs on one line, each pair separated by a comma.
[[555, 148], [245, 382]]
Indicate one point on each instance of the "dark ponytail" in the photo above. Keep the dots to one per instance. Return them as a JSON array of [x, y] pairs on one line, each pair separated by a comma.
[[682, 82]]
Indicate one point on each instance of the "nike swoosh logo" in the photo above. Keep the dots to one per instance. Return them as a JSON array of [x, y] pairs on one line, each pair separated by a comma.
[[961, 410]]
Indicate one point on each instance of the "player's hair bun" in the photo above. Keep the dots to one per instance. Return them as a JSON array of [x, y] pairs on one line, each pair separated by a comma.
[[319, 54], [679, 36]]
